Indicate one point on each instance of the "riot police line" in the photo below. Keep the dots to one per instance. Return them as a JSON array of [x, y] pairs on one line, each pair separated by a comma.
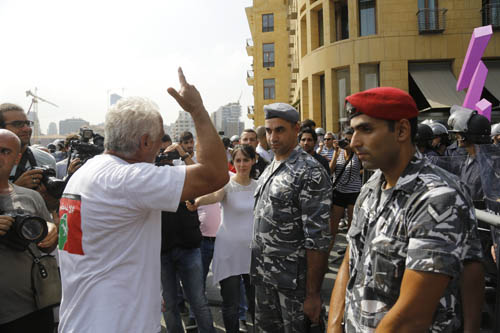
[[470, 149]]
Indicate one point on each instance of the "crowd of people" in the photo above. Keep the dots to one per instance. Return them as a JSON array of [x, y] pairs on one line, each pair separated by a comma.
[[139, 227]]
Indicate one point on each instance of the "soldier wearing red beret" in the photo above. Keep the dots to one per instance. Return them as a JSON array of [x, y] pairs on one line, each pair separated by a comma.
[[411, 227]]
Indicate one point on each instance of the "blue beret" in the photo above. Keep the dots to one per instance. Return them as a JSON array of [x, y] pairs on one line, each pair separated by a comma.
[[281, 110]]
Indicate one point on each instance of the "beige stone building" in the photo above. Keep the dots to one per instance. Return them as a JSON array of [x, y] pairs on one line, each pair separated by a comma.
[[339, 47]]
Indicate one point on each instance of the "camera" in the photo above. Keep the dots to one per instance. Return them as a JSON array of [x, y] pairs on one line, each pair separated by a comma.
[[343, 143], [83, 149], [55, 186], [24, 230], [164, 158]]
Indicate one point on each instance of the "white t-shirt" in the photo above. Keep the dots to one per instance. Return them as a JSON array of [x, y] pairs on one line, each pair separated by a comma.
[[109, 243], [232, 253], [268, 155]]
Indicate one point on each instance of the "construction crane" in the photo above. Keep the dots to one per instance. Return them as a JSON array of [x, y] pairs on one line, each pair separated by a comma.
[[34, 104]]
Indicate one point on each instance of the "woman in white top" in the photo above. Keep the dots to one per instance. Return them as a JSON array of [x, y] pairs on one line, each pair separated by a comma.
[[232, 252]]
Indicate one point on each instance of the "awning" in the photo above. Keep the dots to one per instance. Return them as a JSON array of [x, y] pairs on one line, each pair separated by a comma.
[[492, 79], [437, 83]]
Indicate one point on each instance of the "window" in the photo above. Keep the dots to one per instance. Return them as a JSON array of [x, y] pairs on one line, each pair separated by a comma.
[[368, 75], [267, 22], [491, 13], [341, 20], [367, 21], [268, 54], [321, 39], [343, 90], [322, 99], [269, 89], [428, 15]]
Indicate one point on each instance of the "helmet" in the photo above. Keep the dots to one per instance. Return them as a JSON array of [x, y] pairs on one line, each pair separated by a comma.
[[424, 133], [235, 138], [459, 118], [438, 129], [495, 130], [320, 131], [474, 127], [479, 130]]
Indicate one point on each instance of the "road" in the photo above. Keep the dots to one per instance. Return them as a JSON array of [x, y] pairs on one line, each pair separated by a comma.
[[215, 301]]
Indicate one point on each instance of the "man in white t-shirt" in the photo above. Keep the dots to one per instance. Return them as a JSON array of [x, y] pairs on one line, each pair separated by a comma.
[[263, 148], [110, 232]]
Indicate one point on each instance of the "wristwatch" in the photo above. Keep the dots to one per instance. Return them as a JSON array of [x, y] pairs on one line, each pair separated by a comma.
[[185, 156]]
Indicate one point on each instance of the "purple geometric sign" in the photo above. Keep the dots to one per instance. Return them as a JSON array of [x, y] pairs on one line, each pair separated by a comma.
[[474, 72]]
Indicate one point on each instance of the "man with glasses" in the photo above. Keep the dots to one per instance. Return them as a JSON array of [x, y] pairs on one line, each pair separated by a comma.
[[13, 118], [329, 146]]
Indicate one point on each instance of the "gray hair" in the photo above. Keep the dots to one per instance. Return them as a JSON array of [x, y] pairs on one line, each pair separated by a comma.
[[127, 121], [332, 134]]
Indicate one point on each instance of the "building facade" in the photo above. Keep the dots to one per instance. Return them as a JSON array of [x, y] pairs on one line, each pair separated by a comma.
[[227, 119], [72, 125], [346, 46], [183, 123], [52, 130], [269, 47]]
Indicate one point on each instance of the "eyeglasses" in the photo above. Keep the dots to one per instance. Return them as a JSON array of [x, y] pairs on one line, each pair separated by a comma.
[[20, 123]]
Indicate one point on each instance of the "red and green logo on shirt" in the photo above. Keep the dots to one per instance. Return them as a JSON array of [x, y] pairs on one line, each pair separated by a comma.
[[70, 228]]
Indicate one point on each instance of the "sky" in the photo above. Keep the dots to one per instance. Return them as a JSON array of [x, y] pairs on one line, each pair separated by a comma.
[[77, 52]]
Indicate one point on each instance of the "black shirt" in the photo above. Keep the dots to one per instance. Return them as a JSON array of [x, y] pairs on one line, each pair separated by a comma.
[[323, 161], [180, 229]]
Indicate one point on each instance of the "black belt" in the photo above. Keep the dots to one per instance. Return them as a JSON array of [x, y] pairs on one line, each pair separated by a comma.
[[211, 239]]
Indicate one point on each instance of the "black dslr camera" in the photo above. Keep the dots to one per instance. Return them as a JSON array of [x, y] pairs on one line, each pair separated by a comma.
[[344, 143], [83, 149], [55, 186], [24, 230], [166, 158]]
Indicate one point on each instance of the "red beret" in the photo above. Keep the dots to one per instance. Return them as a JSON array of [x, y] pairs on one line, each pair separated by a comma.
[[384, 103]]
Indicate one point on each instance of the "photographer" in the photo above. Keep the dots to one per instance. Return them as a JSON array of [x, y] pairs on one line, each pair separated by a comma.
[[62, 167], [13, 118], [18, 309], [109, 252], [346, 169], [185, 149]]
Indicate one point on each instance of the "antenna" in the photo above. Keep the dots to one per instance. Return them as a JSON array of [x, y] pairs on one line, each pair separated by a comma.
[[239, 98]]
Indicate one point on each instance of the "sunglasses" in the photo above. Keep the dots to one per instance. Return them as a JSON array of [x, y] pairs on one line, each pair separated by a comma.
[[328, 139], [20, 123]]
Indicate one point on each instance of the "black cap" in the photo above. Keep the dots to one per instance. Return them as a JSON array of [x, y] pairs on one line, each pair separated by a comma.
[[281, 110]]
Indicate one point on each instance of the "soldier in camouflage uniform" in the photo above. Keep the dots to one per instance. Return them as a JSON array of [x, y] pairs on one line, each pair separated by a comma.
[[291, 231], [413, 228]]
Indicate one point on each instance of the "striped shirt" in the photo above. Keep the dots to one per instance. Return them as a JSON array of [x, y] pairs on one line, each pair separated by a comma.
[[327, 153], [350, 181]]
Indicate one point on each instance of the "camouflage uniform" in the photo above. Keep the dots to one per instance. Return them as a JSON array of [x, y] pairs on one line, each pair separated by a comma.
[[292, 212], [426, 224]]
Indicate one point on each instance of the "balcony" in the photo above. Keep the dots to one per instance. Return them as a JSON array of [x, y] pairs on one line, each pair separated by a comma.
[[431, 21], [250, 77], [491, 15], [249, 43]]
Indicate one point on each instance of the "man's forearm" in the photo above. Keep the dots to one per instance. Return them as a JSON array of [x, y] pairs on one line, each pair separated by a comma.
[[317, 262], [209, 147], [337, 299], [472, 290]]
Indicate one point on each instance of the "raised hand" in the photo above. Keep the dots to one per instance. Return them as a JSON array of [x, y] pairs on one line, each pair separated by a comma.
[[188, 96]]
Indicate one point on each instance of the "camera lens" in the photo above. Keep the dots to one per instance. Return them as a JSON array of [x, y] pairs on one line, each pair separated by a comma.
[[33, 229]]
